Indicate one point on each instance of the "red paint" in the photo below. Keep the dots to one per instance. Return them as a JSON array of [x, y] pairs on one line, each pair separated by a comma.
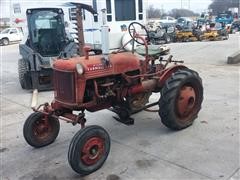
[[86, 50], [18, 20], [92, 151], [167, 73], [186, 100], [119, 63]]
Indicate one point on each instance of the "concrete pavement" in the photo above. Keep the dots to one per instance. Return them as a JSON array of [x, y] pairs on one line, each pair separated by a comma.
[[147, 150]]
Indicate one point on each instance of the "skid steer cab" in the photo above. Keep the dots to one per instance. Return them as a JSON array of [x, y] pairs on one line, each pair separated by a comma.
[[121, 82], [47, 39]]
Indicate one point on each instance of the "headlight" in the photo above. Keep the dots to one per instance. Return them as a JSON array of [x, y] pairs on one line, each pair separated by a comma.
[[79, 69]]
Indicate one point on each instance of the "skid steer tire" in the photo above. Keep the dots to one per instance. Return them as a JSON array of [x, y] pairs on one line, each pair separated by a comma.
[[181, 99], [22, 70]]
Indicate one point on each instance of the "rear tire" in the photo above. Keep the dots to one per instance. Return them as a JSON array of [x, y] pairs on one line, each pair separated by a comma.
[[181, 99], [226, 36], [89, 149], [167, 38], [22, 71]]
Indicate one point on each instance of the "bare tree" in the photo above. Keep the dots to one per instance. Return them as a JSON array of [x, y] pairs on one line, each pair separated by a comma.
[[153, 12], [218, 6], [176, 13]]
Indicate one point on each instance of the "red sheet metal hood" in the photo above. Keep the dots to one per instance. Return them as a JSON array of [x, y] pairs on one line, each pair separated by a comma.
[[119, 63]]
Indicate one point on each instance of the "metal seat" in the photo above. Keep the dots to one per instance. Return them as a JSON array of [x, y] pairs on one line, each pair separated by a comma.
[[153, 50]]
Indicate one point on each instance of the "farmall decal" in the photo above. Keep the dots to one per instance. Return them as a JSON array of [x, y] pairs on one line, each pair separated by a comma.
[[94, 67]]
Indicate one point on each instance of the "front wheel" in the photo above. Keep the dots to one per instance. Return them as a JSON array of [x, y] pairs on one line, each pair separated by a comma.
[[181, 99], [89, 149], [5, 41], [39, 130]]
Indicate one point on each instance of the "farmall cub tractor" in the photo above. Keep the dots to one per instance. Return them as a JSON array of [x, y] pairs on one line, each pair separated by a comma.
[[119, 81]]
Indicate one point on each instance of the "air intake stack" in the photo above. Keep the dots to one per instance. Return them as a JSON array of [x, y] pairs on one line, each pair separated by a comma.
[[105, 36]]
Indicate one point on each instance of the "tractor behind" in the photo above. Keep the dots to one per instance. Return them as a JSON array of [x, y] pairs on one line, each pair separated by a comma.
[[46, 40]]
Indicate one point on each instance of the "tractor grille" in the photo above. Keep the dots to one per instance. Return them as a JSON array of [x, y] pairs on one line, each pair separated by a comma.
[[64, 86]]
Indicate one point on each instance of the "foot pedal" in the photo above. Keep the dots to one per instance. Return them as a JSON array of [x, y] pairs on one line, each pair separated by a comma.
[[128, 121]]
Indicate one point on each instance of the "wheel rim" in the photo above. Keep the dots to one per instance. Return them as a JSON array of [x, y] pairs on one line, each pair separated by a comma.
[[92, 151], [186, 101], [168, 39], [42, 130], [5, 42]]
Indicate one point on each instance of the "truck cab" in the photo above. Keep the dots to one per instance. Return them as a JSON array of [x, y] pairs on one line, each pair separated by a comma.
[[224, 18]]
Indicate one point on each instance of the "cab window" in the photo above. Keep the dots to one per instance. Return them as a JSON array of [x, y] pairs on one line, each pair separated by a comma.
[[13, 31], [5, 31], [125, 10]]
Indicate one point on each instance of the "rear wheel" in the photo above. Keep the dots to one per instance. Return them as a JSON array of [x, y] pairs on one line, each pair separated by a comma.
[[37, 132], [167, 38], [181, 99], [22, 70], [226, 36], [89, 149]]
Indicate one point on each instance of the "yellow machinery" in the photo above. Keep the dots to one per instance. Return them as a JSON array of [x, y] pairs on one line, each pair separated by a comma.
[[211, 35], [187, 35]]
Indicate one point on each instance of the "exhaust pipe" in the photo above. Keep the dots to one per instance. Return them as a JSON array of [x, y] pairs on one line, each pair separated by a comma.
[[34, 98], [145, 86], [105, 36]]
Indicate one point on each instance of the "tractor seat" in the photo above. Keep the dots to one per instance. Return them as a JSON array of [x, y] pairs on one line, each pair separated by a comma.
[[153, 50]]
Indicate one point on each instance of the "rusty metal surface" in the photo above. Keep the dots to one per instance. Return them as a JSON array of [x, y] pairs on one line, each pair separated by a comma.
[[145, 86], [64, 85], [186, 100], [80, 30], [93, 67], [92, 151], [138, 101]]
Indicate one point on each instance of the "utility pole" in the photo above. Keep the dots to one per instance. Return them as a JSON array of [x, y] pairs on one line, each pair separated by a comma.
[[11, 13], [238, 8], [181, 4], [189, 4], [162, 11]]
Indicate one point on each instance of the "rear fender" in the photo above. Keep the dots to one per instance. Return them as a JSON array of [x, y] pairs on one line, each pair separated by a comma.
[[168, 73]]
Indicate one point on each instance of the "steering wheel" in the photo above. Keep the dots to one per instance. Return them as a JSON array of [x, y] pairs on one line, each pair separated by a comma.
[[133, 29]]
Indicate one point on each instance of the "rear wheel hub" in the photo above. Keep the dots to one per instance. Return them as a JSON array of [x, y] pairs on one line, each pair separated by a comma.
[[186, 101]]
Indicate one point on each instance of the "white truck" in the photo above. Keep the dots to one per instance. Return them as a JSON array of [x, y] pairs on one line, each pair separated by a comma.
[[120, 13], [10, 35]]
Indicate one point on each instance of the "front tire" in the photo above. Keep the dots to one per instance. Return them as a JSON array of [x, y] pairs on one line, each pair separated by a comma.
[[5, 41], [181, 99], [89, 149], [37, 132]]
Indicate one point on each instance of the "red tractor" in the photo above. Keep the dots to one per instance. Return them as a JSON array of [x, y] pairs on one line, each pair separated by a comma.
[[119, 81]]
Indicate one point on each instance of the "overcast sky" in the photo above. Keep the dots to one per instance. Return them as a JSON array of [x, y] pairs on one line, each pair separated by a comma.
[[167, 5]]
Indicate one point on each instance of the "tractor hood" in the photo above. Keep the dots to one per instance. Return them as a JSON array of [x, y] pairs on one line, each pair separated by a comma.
[[94, 66]]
